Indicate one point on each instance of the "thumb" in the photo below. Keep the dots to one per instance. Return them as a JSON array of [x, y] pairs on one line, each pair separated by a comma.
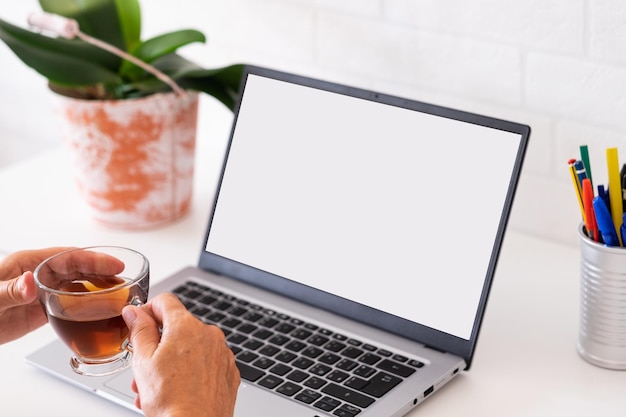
[[18, 291], [144, 331]]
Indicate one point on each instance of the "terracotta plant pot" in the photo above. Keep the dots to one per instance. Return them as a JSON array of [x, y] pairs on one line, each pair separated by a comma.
[[133, 159]]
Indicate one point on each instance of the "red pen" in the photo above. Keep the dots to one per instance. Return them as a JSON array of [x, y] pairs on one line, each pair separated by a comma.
[[590, 218]]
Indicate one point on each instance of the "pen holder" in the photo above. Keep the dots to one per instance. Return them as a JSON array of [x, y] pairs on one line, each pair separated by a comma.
[[602, 331]]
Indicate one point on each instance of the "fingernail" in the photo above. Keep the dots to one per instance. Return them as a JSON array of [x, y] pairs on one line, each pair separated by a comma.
[[129, 314]]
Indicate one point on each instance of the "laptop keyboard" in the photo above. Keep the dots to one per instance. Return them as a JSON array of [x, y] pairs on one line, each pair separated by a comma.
[[313, 365]]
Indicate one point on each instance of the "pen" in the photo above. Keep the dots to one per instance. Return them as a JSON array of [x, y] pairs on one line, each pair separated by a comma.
[[615, 189], [580, 172], [622, 175], [584, 155], [623, 228], [577, 188], [605, 223], [604, 194], [590, 217]]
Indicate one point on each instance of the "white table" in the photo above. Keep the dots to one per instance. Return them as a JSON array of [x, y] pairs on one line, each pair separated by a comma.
[[526, 363]]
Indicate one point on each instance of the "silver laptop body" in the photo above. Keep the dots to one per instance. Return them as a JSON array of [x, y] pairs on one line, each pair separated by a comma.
[[368, 224]]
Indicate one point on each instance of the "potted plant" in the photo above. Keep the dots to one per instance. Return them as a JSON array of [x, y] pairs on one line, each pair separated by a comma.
[[119, 116]]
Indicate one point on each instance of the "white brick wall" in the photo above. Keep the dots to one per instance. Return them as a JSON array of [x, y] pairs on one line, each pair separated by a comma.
[[558, 65]]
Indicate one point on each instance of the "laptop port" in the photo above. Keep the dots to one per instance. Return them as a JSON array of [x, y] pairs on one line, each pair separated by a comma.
[[429, 391]]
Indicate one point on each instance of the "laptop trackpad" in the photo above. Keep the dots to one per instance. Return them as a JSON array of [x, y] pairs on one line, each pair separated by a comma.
[[121, 383], [251, 400], [255, 401]]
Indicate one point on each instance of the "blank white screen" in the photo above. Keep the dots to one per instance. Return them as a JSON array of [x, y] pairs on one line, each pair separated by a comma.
[[388, 207]]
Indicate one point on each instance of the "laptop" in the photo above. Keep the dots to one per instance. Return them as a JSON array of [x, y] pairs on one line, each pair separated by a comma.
[[350, 248]]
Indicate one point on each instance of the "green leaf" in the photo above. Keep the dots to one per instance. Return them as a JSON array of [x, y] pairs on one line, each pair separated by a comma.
[[157, 47], [221, 83], [62, 61], [101, 18], [129, 15]]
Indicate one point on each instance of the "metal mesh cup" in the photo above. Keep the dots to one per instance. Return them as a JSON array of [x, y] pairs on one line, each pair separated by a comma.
[[602, 330]]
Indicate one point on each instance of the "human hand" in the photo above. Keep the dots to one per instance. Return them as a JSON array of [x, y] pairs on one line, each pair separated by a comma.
[[188, 370], [20, 312]]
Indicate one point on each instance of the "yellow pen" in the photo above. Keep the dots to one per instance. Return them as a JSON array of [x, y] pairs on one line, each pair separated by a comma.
[[615, 190], [579, 194]]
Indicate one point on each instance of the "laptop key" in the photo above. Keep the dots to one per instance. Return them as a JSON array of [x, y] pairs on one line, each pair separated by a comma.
[[395, 368], [279, 340], [231, 322], [216, 317], [270, 381], [318, 340], [369, 358], [263, 363], [346, 365], [285, 356], [295, 346], [248, 372], [364, 371], [315, 382], [262, 334], [300, 334], [320, 369], [237, 311], [253, 344], [284, 327], [269, 350], [247, 356], [348, 395], [356, 383], [346, 410], [335, 346], [352, 352], [327, 404], [302, 362], [337, 376], [380, 384], [307, 396], [268, 322], [415, 363], [328, 358], [246, 328], [237, 338], [288, 389], [312, 352], [297, 376], [281, 369]]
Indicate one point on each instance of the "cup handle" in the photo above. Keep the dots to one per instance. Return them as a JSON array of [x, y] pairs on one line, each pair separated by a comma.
[[135, 301]]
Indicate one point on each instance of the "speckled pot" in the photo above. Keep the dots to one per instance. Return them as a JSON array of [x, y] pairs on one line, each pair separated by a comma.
[[133, 159]]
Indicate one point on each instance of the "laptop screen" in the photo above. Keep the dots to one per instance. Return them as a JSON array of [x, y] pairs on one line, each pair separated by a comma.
[[394, 205]]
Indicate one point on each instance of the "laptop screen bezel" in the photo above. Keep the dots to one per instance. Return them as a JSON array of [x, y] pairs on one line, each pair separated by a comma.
[[414, 331]]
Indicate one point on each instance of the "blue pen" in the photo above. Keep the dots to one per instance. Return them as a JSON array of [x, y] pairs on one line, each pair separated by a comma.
[[604, 194], [623, 227], [580, 171], [605, 223]]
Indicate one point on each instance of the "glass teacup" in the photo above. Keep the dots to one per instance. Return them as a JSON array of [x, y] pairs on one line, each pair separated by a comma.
[[83, 292]]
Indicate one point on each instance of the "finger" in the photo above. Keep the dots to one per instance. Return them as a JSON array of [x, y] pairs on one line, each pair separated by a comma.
[[95, 263], [165, 308], [18, 291], [26, 260], [133, 386], [144, 331], [80, 265], [86, 262]]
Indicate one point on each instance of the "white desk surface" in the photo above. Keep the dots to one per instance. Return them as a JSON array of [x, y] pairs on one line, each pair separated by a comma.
[[526, 363]]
